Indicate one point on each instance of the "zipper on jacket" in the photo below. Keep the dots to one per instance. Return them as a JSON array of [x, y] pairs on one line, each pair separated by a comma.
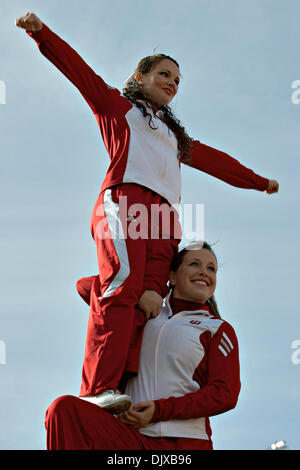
[[156, 366]]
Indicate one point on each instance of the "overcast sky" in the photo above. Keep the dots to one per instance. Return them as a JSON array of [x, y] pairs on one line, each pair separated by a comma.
[[239, 60]]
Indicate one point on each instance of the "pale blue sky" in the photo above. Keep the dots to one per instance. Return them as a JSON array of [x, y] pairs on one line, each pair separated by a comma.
[[238, 60]]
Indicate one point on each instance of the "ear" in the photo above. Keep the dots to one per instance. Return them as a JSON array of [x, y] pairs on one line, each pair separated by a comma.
[[139, 78], [172, 278]]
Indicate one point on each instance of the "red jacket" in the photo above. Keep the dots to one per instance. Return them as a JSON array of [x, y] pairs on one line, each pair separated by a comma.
[[139, 154]]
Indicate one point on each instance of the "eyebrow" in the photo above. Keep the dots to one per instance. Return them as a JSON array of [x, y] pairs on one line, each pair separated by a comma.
[[197, 259]]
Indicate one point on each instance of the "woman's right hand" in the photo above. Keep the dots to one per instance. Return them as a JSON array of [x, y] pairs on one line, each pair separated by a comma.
[[30, 22], [140, 415]]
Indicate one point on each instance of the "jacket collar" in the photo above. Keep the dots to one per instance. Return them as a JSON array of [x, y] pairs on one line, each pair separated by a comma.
[[204, 309]]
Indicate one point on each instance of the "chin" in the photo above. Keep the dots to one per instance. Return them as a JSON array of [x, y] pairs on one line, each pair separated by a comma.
[[165, 101]]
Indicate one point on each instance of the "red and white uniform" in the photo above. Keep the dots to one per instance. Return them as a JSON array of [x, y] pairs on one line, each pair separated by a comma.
[[144, 168], [189, 367], [138, 153]]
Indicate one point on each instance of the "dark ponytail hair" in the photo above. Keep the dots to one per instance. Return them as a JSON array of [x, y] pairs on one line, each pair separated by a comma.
[[176, 262], [134, 91]]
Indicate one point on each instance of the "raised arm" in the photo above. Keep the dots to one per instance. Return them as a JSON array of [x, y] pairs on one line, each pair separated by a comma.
[[94, 90], [228, 169]]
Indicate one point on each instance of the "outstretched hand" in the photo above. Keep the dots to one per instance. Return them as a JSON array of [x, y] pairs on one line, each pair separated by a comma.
[[273, 187], [30, 22], [138, 416]]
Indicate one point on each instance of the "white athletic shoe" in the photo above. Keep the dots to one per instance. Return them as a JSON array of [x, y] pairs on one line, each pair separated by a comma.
[[114, 402]]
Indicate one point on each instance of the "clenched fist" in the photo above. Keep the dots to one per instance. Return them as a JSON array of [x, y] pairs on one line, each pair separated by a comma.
[[30, 22], [273, 187]]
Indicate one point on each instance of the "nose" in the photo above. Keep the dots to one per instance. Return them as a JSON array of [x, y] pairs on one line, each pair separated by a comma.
[[203, 271], [172, 85]]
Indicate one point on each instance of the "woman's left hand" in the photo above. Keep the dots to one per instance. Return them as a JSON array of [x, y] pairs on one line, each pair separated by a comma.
[[273, 187], [138, 416]]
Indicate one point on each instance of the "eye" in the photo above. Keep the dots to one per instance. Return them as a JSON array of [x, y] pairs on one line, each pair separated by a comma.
[[212, 268], [194, 263], [177, 81]]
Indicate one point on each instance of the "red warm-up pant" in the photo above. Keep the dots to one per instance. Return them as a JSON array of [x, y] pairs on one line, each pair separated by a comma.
[[136, 234], [75, 424]]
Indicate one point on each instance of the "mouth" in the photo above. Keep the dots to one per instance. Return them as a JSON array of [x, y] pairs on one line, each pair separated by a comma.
[[200, 282], [168, 91]]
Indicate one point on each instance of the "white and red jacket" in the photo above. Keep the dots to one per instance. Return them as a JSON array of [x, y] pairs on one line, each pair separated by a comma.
[[189, 366], [139, 154]]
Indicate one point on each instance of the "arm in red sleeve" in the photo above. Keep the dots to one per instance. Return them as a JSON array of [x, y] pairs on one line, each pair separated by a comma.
[[221, 392], [91, 86], [222, 166]]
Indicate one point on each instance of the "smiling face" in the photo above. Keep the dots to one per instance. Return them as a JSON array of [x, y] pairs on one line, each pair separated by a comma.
[[195, 279], [161, 82]]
